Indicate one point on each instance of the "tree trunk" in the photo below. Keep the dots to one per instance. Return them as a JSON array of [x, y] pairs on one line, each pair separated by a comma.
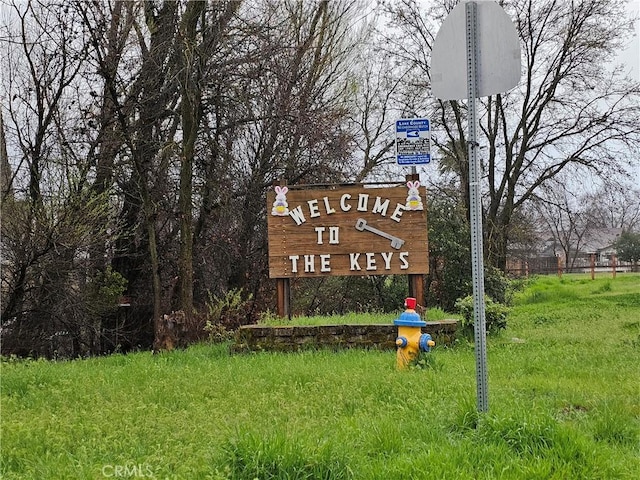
[[496, 248], [6, 189], [191, 115], [161, 338]]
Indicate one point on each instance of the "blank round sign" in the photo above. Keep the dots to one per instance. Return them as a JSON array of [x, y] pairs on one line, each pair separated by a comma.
[[497, 53]]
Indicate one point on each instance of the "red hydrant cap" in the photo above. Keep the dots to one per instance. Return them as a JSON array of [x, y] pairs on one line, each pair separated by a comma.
[[410, 303]]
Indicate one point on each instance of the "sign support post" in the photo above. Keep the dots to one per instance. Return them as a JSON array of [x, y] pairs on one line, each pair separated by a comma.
[[486, 62], [416, 280], [283, 293], [477, 257]]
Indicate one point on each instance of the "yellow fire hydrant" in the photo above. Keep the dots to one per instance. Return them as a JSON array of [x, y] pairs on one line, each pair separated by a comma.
[[411, 341]]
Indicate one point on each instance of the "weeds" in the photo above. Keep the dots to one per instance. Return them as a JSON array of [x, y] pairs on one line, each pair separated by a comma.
[[278, 456], [225, 314], [562, 404]]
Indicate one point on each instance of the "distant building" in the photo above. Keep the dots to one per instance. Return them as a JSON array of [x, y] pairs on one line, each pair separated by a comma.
[[545, 253]]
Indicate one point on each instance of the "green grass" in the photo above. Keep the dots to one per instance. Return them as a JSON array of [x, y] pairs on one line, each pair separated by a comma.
[[563, 404], [433, 314]]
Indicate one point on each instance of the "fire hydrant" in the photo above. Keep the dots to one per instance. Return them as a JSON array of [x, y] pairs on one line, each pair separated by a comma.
[[411, 341]]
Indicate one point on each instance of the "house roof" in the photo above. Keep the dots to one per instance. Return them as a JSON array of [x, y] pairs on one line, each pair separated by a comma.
[[599, 239], [593, 241]]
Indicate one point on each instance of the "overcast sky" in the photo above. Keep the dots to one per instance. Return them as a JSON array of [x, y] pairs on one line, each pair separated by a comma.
[[631, 56]]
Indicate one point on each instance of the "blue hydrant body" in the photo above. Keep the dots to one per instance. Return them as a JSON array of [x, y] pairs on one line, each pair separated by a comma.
[[411, 341]]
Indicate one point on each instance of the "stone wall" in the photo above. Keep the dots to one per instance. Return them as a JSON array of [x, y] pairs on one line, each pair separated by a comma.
[[292, 338]]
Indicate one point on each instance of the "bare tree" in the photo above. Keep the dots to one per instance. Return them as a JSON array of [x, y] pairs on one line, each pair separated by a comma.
[[569, 113], [566, 218], [283, 120], [191, 114], [224, 99], [198, 49], [53, 227], [372, 111], [130, 130], [615, 206], [6, 177]]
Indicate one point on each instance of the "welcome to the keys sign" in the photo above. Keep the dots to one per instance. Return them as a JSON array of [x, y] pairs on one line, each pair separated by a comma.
[[349, 230]]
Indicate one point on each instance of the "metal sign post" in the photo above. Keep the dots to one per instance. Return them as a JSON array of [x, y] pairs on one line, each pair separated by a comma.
[[491, 54], [477, 258]]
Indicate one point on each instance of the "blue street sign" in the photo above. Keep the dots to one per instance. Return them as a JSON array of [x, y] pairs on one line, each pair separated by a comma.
[[413, 141]]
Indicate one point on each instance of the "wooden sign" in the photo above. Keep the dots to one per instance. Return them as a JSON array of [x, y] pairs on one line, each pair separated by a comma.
[[347, 231]]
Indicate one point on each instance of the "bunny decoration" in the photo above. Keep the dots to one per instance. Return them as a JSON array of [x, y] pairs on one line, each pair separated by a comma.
[[413, 202], [280, 206]]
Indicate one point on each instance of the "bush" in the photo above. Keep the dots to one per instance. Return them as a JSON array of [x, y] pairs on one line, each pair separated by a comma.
[[449, 254], [225, 314], [104, 290], [450, 270], [495, 314], [497, 285]]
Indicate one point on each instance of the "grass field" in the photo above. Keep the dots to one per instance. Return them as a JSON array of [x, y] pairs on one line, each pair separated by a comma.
[[564, 403], [433, 314]]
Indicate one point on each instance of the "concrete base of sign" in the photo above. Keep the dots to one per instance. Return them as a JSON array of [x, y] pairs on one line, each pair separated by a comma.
[[252, 338]]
